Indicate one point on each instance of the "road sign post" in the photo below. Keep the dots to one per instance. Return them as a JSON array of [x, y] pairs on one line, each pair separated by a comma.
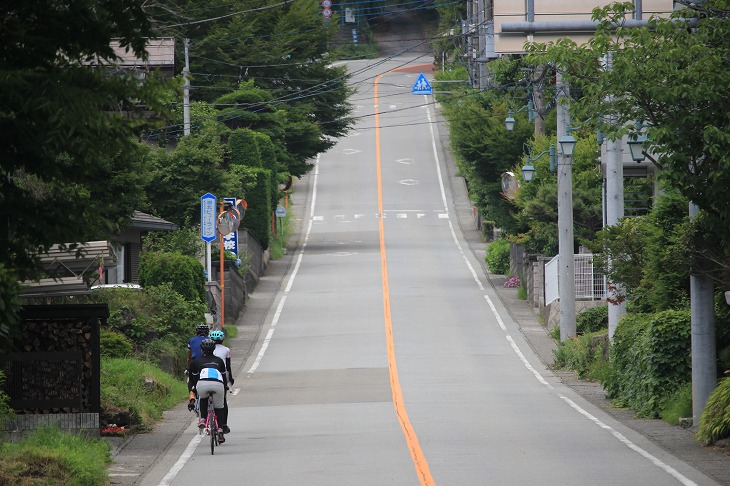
[[207, 227]]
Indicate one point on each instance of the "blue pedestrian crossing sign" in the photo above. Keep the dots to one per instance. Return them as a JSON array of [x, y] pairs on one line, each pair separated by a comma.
[[422, 86]]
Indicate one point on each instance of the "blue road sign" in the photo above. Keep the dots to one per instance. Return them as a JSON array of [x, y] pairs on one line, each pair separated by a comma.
[[422, 86], [230, 241], [207, 217]]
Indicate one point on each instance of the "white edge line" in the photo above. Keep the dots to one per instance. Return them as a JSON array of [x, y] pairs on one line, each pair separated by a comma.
[[193, 444], [177, 467], [623, 439]]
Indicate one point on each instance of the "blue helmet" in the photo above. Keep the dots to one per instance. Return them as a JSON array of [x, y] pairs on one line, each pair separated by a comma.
[[217, 335]]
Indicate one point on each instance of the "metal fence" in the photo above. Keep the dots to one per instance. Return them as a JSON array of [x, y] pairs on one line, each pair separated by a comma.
[[590, 284]]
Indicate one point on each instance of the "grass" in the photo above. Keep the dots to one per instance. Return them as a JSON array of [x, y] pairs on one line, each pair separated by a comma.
[[678, 405], [139, 387], [49, 457]]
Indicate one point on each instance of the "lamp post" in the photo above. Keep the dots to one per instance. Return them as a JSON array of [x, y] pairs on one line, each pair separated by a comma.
[[510, 121], [528, 171]]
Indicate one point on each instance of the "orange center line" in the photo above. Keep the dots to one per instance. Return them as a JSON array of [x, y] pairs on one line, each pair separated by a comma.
[[419, 460]]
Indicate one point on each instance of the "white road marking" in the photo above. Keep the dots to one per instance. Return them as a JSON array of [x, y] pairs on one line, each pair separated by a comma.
[[186, 455]]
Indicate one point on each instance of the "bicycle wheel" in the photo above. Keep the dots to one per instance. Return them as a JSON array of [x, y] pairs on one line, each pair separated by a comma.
[[212, 425]]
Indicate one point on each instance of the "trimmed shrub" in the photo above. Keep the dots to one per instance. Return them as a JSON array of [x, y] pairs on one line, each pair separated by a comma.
[[586, 355], [243, 148], [184, 273], [114, 344], [497, 257], [259, 212], [715, 418], [650, 359], [592, 320]]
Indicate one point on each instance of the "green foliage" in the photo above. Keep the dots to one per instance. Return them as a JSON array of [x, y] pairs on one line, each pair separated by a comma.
[[5, 410], [258, 215], [114, 344], [184, 273], [677, 405], [592, 320], [185, 240], [51, 457], [9, 303], [180, 177], [497, 257], [170, 349], [140, 387], [154, 312], [243, 148], [666, 76], [650, 359], [715, 418], [585, 354]]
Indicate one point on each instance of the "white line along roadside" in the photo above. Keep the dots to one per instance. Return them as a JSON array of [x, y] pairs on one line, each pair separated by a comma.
[[654, 460]]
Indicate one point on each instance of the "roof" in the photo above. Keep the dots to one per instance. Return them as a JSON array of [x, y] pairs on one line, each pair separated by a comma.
[[160, 53], [143, 221]]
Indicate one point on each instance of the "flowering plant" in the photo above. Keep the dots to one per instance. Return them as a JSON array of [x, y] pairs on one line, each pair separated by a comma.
[[112, 429], [512, 282]]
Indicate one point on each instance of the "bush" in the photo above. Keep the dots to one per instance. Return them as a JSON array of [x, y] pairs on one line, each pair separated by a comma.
[[715, 418], [154, 312], [185, 273], [498, 257], [114, 344], [650, 359], [592, 320], [49, 456], [258, 215], [586, 355]]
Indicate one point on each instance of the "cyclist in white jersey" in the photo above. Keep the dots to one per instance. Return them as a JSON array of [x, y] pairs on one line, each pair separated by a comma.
[[224, 353]]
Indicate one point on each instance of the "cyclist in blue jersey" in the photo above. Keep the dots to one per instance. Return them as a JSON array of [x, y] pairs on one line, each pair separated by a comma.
[[208, 374], [201, 332]]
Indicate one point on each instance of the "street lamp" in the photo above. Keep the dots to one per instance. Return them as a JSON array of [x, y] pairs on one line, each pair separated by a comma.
[[636, 146], [510, 121], [527, 172], [567, 144]]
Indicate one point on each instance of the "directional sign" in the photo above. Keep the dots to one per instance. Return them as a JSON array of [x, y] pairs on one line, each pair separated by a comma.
[[280, 211], [207, 217], [422, 86], [230, 241]]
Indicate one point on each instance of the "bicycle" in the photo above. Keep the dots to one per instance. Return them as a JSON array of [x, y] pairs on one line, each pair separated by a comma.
[[211, 426]]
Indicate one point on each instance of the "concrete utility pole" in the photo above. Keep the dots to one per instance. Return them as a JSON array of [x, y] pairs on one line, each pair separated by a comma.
[[186, 92], [566, 271], [704, 367], [482, 36], [614, 174]]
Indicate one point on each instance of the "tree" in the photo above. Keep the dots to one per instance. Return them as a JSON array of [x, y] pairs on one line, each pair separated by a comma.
[[68, 169], [671, 77]]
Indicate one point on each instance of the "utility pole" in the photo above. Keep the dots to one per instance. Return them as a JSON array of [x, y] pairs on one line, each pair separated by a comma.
[[614, 173], [704, 367], [566, 271], [186, 92]]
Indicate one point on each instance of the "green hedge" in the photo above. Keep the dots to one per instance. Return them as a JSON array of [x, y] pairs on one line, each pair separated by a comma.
[[592, 320], [184, 273], [497, 257], [243, 148], [259, 212], [650, 359]]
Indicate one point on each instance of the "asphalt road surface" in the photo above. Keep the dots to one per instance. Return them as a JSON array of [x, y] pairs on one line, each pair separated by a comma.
[[386, 358]]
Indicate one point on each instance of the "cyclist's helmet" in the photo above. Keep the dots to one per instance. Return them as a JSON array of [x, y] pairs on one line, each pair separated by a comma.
[[202, 330], [217, 336], [207, 346]]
